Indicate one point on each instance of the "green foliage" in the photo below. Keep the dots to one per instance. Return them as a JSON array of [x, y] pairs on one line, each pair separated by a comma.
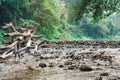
[[49, 18], [2, 39], [46, 13], [25, 22], [107, 29], [41, 13], [12, 10], [98, 8]]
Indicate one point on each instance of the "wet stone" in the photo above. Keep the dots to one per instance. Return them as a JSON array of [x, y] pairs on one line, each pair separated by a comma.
[[104, 74], [68, 63], [42, 65], [61, 66], [85, 68], [37, 60], [98, 78], [72, 67], [51, 65], [113, 79]]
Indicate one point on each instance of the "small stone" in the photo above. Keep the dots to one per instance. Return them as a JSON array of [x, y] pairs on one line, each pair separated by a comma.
[[118, 77], [98, 69], [72, 67], [37, 66], [37, 60], [104, 74], [68, 63], [42, 65], [36, 53], [24, 63], [98, 78], [85, 68], [98, 64], [30, 68], [61, 66], [51, 65], [26, 60], [113, 79]]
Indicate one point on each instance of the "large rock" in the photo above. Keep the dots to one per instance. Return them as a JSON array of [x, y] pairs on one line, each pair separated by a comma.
[[85, 68]]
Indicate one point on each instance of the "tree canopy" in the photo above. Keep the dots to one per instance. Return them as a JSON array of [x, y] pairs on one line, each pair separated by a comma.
[[98, 8]]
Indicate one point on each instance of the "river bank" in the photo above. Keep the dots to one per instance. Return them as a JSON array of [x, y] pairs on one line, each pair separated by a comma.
[[72, 60]]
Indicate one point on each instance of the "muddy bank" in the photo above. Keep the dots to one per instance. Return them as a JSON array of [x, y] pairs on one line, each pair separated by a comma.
[[65, 61], [82, 44]]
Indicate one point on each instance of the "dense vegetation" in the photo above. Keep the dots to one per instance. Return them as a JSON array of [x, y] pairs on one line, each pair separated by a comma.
[[64, 19]]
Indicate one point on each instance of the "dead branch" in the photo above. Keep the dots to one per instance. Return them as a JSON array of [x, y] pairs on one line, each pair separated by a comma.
[[10, 25], [42, 43], [35, 49], [29, 42], [35, 36], [26, 34], [8, 46], [6, 54]]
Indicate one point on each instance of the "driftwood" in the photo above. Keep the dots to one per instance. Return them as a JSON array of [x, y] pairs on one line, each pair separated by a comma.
[[25, 34], [10, 53], [8, 46], [10, 25]]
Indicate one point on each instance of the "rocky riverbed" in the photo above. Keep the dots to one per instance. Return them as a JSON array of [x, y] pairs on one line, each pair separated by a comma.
[[70, 60]]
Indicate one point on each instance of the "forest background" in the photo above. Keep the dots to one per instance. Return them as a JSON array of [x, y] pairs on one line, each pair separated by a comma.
[[64, 19]]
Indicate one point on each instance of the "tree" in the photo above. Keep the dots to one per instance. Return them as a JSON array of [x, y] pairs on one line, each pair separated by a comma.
[[12, 10], [41, 13], [98, 8]]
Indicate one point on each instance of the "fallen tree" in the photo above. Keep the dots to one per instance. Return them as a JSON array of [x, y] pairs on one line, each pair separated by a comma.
[[25, 35]]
